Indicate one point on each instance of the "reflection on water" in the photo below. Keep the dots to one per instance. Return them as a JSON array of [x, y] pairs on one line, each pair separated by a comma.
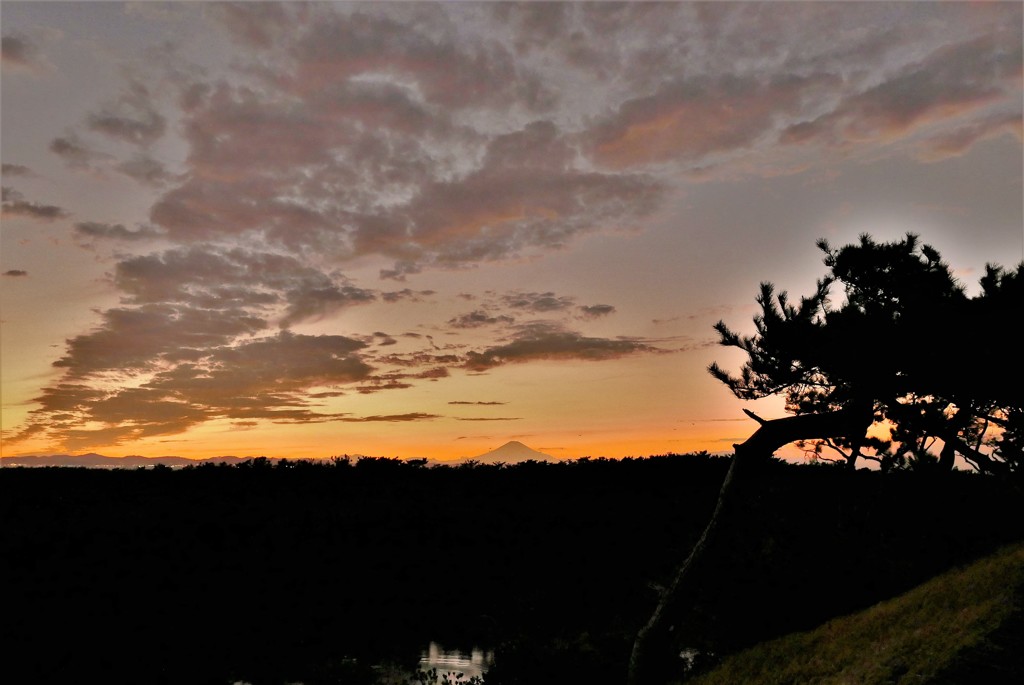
[[469, 664], [459, 667]]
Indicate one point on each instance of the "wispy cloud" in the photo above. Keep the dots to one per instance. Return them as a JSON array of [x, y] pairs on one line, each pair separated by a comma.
[[16, 170], [14, 205], [542, 341], [75, 153], [97, 230], [19, 52], [133, 117]]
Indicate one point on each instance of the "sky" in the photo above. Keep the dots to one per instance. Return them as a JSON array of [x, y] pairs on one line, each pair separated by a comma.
[[423, 230]]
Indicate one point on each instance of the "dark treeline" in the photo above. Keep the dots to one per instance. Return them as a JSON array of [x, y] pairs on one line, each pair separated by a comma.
[[313, 571]]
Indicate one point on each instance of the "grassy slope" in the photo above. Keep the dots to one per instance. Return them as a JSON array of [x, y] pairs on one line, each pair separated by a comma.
[[960, 627]]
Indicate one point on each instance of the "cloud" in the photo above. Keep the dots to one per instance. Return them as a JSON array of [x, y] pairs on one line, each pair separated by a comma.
[[452, 68], [132, 118], [311, 300], [211, 277], [405, 294], [538, 302], [595, 311], [16, 170], [383, 339], [93, 229], [524, 197], [15, 206], [485, 404], [263, 378], [145, 170], [948, 84], [142, 338], [959, 140], [741, 78], [544, 341], [252, 24], [501, 310], [478, 318], [15, 273], [393, 418], [422, 359], [355, 161], [487, 216], [18, 52], [692, 119], [75, 153], [399, 379]]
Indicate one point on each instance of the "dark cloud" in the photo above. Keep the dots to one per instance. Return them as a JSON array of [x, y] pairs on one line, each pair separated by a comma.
[[15, 206], [399, 380], [16, 170], [405, 294], [311, 300], [544, 341], [595, 311], [15, 272], [263, 378], [433, 374], [383, 339], [17, 51], [499, 309], [478, 318], [380, 384], [75, 153], [538, 302], [97, 230], [132, 118], [423, 359], [141, 338], [326, 394], [266, 377], [484, 404], [394, 418], [210, 277], [145, 170]]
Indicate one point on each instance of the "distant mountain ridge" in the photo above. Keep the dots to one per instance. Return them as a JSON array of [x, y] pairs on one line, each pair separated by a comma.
[[512, 452], [99, 461]]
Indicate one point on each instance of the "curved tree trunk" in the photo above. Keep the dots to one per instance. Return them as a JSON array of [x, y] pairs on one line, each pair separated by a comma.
[[653, 661]]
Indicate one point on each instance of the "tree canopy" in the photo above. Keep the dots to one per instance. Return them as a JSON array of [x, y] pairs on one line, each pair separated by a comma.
[[927, 371]]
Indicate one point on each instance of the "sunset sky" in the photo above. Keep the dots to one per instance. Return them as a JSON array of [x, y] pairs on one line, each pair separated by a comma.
[[423, 230]]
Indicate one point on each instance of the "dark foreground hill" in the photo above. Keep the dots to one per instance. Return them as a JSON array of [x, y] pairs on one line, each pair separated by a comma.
[[314, 572], [963, 627]]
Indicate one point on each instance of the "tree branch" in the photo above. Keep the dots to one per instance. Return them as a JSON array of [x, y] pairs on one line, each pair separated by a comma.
[[650, 648]]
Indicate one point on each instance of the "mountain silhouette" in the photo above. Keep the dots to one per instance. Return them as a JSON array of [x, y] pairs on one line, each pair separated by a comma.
[[99, 461], [512, 452]]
